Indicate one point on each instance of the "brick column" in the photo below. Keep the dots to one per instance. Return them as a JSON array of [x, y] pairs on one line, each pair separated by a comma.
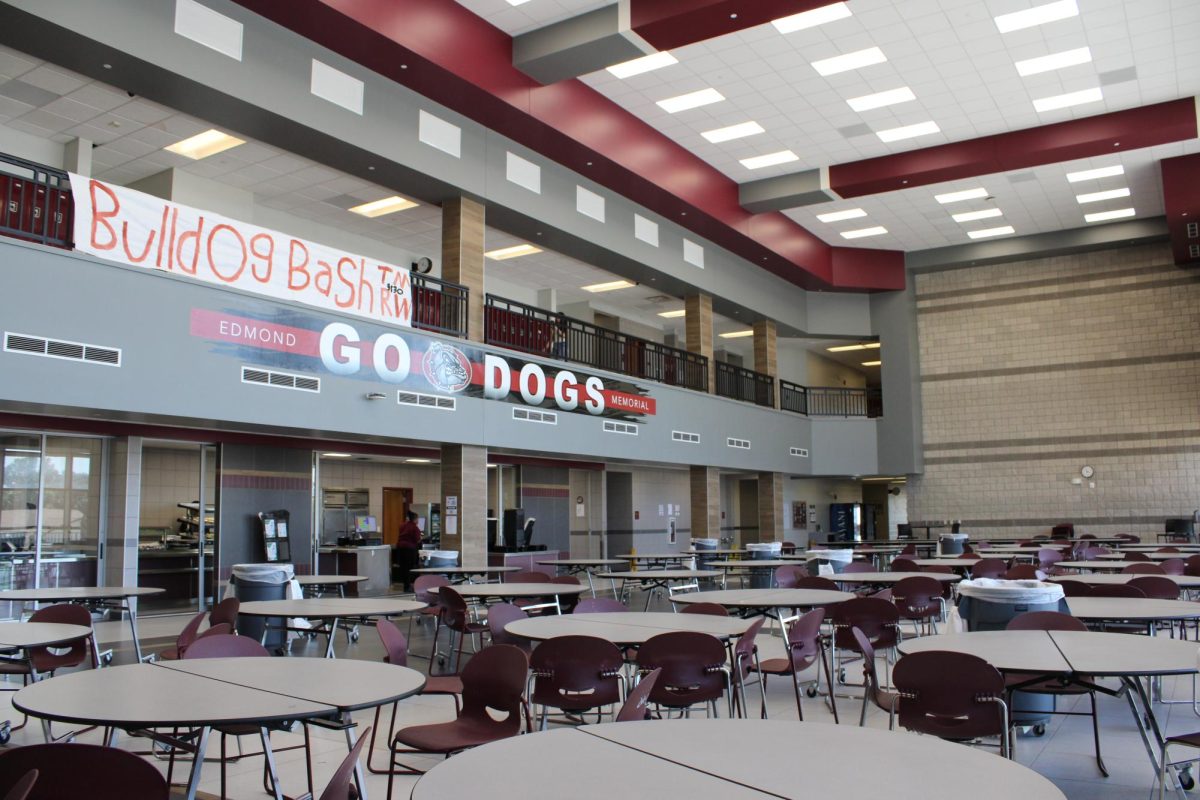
[[462, 255], [770, 507], [464, 477], [765, 354], [706, 503], [699, 330]]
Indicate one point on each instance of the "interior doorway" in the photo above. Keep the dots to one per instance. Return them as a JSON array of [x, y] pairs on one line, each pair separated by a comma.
[[748, 510], [395, 506]]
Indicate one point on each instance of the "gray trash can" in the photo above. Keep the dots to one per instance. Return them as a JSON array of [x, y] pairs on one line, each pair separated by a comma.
[[837, 559], [763, 577], [253, 582], [442, 558], [951, 543], [702, 545]]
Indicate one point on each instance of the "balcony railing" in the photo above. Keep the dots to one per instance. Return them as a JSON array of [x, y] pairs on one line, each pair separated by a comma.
[[793, 397], [836, 401], [517, 326], [439, 306], [739, 383], [37, 204]]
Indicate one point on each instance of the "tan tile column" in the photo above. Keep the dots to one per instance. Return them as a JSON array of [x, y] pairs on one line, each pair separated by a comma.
[[765, 354], [706, 503], [699, 330], [770, 507], [462, 255], [464, 489]]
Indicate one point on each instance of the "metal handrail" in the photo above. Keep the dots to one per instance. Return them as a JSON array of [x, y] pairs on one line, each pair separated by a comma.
[[35, 202], [739, 383], [439, 305]]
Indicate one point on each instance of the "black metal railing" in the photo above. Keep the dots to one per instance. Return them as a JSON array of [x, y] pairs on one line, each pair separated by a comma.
[[439, 305], [37, 204], [517, 326], [837, 401], [793, 397], [739, 383]]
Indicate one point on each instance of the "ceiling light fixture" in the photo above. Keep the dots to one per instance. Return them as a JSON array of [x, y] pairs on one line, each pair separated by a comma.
[[958, 197], [679, 312], [845, 348], [609, 286], [388, 205], [419, 460], [908, 131], [516, 251], [203, 145], [1104, 216], [336, 455], [769, 160], [739, 131], [971, 216], [880, 99], [627, 69], [878, 230], [871, 363], [1038, 15], [987, 233], [811, 19], [849, 61], [683, 102], [838, 216], [1069, 99], [1096, 197], [1067, 58], [1092, 174], [736, 334]]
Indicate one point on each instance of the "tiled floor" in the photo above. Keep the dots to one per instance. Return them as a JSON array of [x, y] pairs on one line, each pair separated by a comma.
[[1064, 754]]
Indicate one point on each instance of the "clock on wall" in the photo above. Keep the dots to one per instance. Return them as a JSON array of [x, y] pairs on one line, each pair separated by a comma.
[[1087, 471]]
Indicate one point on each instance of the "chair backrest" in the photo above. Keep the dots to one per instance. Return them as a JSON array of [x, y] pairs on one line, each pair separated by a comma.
[[816, 582], [743, 651], [222, 629], [901, 564], [1173, 566], [870, 677], [189, 632], [500, 615], [875, 617], [226, 612], [341, 785], [24, 787], [988, 568], [910, 549], [599, 605], [804, 639], [82, 770], [1129, 538], [858, 566], [1090, 553], [918, 597], [1159, 587], [1088, 536], [1191, 566], [787, 548], [1074, 588], [528, 576], [634, 707], [576, 672], [64, 654], [1167, 549], [1048, 557], [1115, 590], [225, 646], [494, 678], [452, 608], [395, 643], [787, 575], [1023, 572], [1146, 568], [1135, 555], [692, 667], [424, 583], [1045, 621], [947, 694], [709, 609]]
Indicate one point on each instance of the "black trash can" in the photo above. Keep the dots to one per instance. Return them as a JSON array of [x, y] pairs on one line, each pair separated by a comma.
[[253, 582], [702, 546], [763, 577]]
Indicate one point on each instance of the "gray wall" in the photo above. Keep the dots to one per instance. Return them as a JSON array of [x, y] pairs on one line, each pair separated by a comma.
[[544, 495], [894, 315], [256, 478]]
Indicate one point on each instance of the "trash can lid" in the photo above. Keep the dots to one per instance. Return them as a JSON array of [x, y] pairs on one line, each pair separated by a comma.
[[776, 546], [706, 542], [440, 554], [1001, 591], [954, 536], [840, 554], [263, 573]]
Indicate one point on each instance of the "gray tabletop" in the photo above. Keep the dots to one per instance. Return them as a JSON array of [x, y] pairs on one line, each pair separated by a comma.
[[1093, 565], [330, 607], [1150, 548], [464, 570], [1150, 554], [1132, 608], [39, 634], [764, 563], [582, 562], [888, 577], [478, 590], [946, 561], [655, 556], [661, 574], [768, 598], [329, 580], [625, 627], [68, 593], [1097, 579], [1007, 651], [734, 759]]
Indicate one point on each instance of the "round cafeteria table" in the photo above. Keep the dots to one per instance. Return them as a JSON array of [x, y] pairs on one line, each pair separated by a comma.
[[1132, 609], [318, 585], [465, 573], [945, 561], [727, 566], [26, 635], [1112, 566], [94, 597], [511, 591], [625, 628], [1098, 579], [332, 609], [727, 759], [660, 579], [586, 566], [656, 559], [209, 692], [884, 578], [1153, 555], [762, 601]]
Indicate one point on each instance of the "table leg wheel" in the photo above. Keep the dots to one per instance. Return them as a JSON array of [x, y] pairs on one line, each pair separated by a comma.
[[354, 634], [1186, 780], [107, 658], [5, 732], [811, 691], [1039, 730]]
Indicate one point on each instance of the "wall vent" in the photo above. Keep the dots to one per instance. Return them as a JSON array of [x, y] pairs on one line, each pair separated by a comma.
[[684, 436], [620, 427], [60, 348], [799, 452], [534, 415], [1193, 230], [280, 380], [741, 444], [426, 400], [1194, 250]]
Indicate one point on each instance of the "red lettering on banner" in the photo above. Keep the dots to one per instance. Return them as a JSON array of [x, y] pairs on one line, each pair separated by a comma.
[[323, 282], [267, 258], [364, 288], [101, 217], [212, 262], [171, 245], [293, 266], [623, 401], [140, 257], [346, 282], [166, 215], [184, 238]]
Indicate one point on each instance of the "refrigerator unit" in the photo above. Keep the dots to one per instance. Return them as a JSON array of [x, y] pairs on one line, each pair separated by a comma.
[[339, 510]]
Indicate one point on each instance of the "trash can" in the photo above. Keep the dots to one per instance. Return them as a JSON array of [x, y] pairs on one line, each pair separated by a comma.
[[952, 543], [835, 559], [442, 558], [986, 604], [763, 577], [253, 582], [701, 545]]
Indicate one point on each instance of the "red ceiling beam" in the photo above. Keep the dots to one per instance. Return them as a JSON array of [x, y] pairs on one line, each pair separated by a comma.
[[1134, 128], [667, 24], [1181, 199]]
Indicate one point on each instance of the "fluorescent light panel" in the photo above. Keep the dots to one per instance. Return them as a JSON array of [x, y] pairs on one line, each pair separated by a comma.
[[1067, 58], [627, 69], [736, 334], [327, 455], [679, 312], [419, 460], [739, 131], [811, 19], [1096, 197], [908, 131], [971, 216], [1067, 100], [987, 233], [1038, 15], [871, 363], [880, 99], [957, 197], [838, 216], [683, 102], [517, 2], [516, 251], [203, 145], [388, 205], [1092, 174], [849, 61], [878, 230], [1103, 216], [608, 287], [846, 348], [770, 159]]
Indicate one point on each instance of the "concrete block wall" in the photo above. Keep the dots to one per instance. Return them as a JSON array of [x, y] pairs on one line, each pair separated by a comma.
[[1032, 369]]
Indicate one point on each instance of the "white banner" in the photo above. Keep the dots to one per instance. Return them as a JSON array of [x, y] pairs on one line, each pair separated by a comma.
[[131, 227]]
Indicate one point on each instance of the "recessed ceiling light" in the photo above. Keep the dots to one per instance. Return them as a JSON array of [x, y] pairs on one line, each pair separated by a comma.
[[683, 102], [871, 363], [838, 216], [849, 61], [335, 455], [608, 287], [736, 334], [1038, 15], [880, 99], [419, 460], [679, 312], [637, 66], [971, 216], [203, 145], [1067, 58], [811, 19], [908, 131], [956, 197], [516, 251], [517, 2], [987, 233], [388, 205], [1069, 99], [1092, 174], [845, 348], [739, 131], [1102, 216], [1096, 197], [878, 230], [769, 160]]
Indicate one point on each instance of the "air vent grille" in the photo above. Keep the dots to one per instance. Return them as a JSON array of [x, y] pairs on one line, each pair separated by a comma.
[[534, 415], [60, 348], [799, 452], [1194, 250], [434, 401], [741, 444], [620, 427], [280, 380], [684, 436], [1193, 230]]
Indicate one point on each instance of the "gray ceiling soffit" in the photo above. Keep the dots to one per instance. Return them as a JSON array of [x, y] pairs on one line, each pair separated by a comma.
[[573, 47], [785, 191]]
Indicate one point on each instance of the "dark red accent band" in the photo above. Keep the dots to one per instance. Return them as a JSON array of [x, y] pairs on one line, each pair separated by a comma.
[[668, 24], [1181, 200]]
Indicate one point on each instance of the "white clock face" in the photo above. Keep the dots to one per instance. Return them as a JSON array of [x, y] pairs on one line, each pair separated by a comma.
[[1087, 472]]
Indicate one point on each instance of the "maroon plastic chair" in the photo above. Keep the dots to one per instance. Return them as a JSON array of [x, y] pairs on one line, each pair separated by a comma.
[[424, 591], [988, 568], [575, 674], [805, 646], [528, 576], [1173, 566], [910, 549], [1135, 555], [1168, 549], [950, 695], [1115, 590], [901, 564], [1129, 538], [1023, 572], [816, 582], [1092, 553], [1191, 566], [1074, 588], [65, 654], [1048, 558], [341, 785], [787, 576], [1157, 587], [599, 605], [859, 566], [745, 659], [876, 618], [919, 600], [82, 770], [23, 787], [493, 686], [709, 609], [454, 617], [225, 613], [185, 638], [873, 691], [1146, 568], [635, 708], [225, 646], [499, 615], [693, 669], [1063, 530]]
